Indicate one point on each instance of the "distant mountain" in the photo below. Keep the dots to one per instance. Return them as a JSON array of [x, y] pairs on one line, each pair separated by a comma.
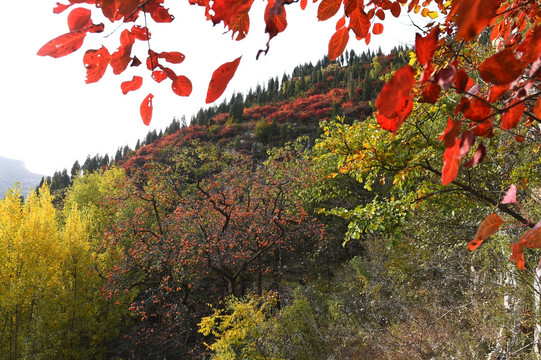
[[13, 171]]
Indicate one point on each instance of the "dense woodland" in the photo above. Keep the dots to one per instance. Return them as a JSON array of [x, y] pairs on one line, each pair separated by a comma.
[[283, 223]]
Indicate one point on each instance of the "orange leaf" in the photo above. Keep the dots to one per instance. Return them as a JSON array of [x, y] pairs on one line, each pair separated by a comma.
[[95, 62], [146, 109], [425, 46], [303, 4], [451, 163], [327, 9], [220, 79], [64, 44], [131, 85], [377, 29], [489, 226], [338, 43], [501, 68], [79, 18], [182, 86], [512, 116]]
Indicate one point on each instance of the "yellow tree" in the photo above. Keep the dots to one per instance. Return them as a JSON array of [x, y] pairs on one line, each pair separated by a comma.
[[29, 266]]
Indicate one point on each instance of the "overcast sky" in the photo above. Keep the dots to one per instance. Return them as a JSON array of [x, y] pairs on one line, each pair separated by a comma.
[[50, 118]]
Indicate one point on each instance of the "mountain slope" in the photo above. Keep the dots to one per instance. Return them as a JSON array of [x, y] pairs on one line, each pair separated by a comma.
[[13, 171]]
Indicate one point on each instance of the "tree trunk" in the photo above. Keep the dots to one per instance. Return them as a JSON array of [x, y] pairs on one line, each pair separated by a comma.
[[537, 301]]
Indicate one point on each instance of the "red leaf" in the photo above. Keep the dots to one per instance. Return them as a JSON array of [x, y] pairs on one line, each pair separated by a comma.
[[531, 239], [496, 92], [275, 18], [338, 43], [445, 77], [477, 110], [135, 62], [466, 141], [64, 44], [226, 10], [483, 129], [472, 16], [478, 156], [303, 4], [140, 33], [394, 102], [159, 76], [127, 7], [461, 81], [531, 46], [518, 255], [182, 86], [430, 94], [173, 57], [512, 116], [377, 29], [425, 46], [341, 23], [501, 68], [122, 56], [220, 79], [393, 124], [240, 25], [451, 132], [132, 85], [511, 195], [146, 109], [59, 8], [396, 9], [359, 23], [95, 62], [380, 14], [79, 18], [161, 15], [451, 161], [170, 73], [327, 9], [489, 226]]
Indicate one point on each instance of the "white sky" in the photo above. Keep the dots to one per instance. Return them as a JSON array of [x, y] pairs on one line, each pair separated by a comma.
[[49, 117]]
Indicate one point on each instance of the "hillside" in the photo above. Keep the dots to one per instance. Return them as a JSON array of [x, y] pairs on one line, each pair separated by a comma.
[[283, 223], [13, 171]]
